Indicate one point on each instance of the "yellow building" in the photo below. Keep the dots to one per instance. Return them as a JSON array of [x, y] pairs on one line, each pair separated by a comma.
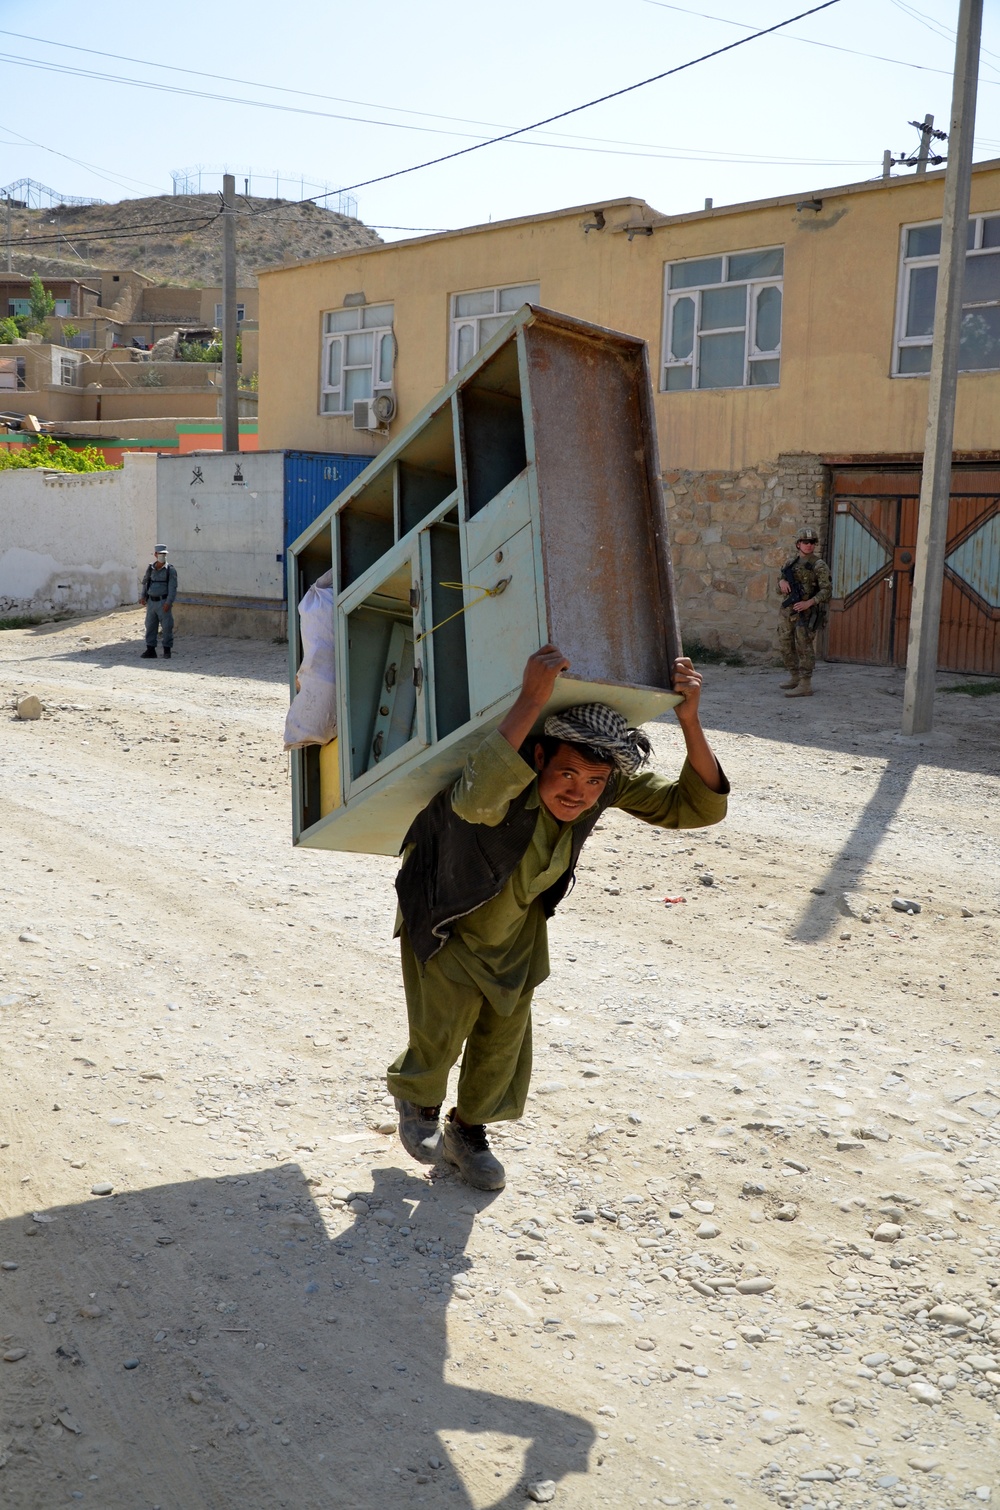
[[789, 343]]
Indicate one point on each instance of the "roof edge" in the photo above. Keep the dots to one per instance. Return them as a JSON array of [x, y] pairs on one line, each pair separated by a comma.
[[865, 186], [588, 208]]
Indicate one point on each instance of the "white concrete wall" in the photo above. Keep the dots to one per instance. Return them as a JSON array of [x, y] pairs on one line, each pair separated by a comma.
[[76, 540], [222, 518]]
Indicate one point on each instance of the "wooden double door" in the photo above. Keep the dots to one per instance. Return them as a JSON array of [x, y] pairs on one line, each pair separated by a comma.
[[872, 553]]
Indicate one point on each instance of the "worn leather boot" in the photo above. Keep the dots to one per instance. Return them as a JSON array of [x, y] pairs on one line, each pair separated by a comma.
[[420, 1131], [149, 654], [468, 1149], [793, 681], [804, 689]]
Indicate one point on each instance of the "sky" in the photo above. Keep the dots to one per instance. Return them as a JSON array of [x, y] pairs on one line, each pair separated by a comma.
[[334, 95]]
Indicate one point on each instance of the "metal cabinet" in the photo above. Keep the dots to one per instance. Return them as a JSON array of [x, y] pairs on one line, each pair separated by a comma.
[[523, 505]]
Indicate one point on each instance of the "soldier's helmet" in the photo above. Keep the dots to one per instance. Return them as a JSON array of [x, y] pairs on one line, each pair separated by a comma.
[[809, 535]]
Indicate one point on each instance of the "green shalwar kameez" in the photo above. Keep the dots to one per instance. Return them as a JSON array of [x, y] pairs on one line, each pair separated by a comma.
[[477, 989]]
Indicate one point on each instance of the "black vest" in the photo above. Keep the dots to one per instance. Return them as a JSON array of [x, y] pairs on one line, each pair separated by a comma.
[[454, 866]]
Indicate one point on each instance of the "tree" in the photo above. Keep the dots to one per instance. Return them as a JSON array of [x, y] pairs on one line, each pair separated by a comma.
[[9, 332], [41, 301]]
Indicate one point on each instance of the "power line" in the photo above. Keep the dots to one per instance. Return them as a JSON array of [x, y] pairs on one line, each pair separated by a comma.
[[853, 52], [124, 233], [938, 28], [510, 135], [91, 167], [588, 105], [302, 93]]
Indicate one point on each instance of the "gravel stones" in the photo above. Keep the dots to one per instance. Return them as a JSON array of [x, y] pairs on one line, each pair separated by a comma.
[[902, 904], [887, 1232], [707, 1230], [924, 1394], [758, 1284], [103, 1187], [15, 1354], [786, 1212], [543, 1492], [29, 707], [950, 1315]]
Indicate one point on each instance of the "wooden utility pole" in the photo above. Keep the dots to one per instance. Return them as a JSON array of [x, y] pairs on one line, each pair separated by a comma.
[[230, 406], [935, 484]]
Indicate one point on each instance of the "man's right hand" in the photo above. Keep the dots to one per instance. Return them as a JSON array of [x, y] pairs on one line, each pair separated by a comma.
[[537, 684], [783, 585], [540, 674]]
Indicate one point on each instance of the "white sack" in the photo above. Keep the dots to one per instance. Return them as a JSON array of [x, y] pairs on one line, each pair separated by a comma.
[[312, 717]]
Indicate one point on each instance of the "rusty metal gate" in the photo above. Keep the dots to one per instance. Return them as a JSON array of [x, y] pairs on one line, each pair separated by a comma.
[[872, 549]]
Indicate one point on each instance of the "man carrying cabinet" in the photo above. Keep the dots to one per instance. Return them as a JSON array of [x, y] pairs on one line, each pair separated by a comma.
[[484, 866]]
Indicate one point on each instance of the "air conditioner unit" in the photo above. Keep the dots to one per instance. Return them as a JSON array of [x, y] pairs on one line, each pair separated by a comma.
[[373, 413]]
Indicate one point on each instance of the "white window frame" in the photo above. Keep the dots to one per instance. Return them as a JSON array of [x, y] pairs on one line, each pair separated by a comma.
[[907, 265], [751, 353], [458, 323], [241, 314], [68, 372], [370, 319]]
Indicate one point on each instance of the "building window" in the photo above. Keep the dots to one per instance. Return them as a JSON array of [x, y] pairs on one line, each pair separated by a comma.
[[359, 350], [63, 308], [979, 345], [722, 321], [67, 372], [240, 314], [12, 370], [19, 306], [477, 316]]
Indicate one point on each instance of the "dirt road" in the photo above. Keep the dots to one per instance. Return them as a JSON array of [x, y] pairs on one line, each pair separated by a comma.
[[749, 1251]]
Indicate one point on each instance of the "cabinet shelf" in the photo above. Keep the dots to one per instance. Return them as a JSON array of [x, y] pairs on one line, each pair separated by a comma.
[[523, 505]]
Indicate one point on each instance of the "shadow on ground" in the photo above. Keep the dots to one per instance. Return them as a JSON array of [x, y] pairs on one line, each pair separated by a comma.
[[198, 655], [856, 712], [277, 1365]]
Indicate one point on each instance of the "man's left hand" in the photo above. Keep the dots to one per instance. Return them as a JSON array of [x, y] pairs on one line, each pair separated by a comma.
[[687, 681], [803, 607]]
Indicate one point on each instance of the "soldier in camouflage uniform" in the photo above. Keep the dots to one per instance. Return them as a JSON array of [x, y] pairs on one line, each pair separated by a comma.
[[806, 587]]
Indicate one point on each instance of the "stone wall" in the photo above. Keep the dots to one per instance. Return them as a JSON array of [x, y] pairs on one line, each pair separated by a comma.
[[730, 533]]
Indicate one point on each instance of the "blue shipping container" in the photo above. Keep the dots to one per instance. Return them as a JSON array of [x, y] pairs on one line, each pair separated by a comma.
[[313, 479]]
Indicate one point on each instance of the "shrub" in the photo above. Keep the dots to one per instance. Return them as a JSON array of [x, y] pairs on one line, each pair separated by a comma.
[[46, 452], [9, 332]]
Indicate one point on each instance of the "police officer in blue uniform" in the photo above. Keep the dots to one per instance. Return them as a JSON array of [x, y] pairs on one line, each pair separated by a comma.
[[159, 589]]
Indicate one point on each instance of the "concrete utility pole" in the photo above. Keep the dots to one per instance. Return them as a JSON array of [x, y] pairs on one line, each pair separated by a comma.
[[925, 143], [935, 484], [230, 406], [10, 259]]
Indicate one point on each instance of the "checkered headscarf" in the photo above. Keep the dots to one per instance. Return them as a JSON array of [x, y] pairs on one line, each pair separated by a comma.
[[604, 730]]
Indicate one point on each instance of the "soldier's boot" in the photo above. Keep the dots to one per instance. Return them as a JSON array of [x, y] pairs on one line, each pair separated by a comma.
[[804, 688], [149, 654], [793, 681], [468, 1148], [420, 1130]]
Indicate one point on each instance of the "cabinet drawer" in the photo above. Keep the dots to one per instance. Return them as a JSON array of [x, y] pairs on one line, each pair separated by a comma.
[[503, 630], [487, 531]]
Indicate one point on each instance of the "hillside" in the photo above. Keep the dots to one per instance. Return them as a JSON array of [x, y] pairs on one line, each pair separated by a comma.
[[178, 238]]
